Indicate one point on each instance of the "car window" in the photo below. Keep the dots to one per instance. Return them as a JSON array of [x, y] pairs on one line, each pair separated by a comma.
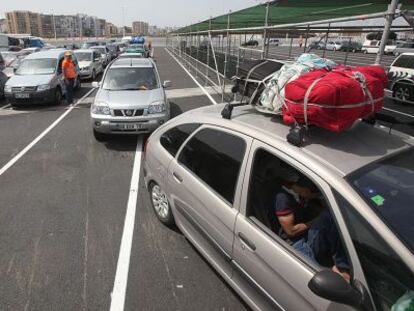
[[83, 56], [142, 79], [215, 157], [388, 188], [404, 61], [37, 66], [390, 281], [294, 209], [172, 139]]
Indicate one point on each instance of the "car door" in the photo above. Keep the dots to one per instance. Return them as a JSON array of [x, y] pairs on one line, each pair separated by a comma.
[[205, 190], [270, 269]]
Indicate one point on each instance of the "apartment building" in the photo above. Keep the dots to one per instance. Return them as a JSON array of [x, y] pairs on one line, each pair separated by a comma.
[[140, 28]]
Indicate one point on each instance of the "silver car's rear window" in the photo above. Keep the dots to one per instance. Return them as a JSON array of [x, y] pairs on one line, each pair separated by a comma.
[[388, 187]]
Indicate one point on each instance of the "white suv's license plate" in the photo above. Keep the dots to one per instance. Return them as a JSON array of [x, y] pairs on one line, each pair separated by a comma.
[[22, 95], [127, 126]]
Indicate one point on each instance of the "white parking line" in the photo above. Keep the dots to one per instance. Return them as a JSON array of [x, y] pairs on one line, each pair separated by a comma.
[[192, 77], [38, 138], [122, 268], [5, 107], [399, 112]]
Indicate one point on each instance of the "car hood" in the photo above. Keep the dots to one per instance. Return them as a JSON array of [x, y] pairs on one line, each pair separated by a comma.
[[129, 99], [85, 63], [29, 80]]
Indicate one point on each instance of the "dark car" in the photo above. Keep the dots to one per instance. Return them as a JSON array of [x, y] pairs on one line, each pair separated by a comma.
[[251, 43], [351, 46]]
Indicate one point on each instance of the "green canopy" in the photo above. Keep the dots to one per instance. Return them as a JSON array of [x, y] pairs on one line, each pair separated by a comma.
[[295, 11]]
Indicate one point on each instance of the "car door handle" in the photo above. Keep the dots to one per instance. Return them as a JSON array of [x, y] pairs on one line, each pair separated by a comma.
[[177, 177], [246, 241]]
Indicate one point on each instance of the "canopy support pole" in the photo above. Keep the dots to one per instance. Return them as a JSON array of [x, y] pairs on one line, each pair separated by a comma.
[[208, 51], [326, 39], [225, 58], [385, 34], [265, 49]]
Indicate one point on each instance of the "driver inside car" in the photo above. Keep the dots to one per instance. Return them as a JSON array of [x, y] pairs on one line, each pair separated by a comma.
[[316, 237]]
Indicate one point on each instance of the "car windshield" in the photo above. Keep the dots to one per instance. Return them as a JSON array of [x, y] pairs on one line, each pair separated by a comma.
[[100, 50], [41, 66], [388, 187], [83, 56], [117, 79]]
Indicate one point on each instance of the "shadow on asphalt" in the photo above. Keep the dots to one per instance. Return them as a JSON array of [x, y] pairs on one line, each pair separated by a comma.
[[121, 142], [175, 110]]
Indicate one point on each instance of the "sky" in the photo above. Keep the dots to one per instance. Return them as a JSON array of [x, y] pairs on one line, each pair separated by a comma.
[[156, 12]]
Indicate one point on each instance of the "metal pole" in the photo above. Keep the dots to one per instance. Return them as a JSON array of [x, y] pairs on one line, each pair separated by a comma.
[[226, 56], [197, 53], [265, 30], [347, 51], [208, 51], [123, 21], [388, 22], [306, 39], [54, 26], [326, 39], [290, 47], [214, 57]]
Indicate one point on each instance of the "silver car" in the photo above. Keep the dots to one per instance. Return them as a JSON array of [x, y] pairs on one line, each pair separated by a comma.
[[221, 180], [130, 99], [90, 63]]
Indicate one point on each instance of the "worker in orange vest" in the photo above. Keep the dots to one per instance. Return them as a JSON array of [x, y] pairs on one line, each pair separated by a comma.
[[70, 73]]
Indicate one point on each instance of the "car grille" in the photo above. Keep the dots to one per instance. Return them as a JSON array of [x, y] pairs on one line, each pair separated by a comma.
[[128, 112], [24, 89]]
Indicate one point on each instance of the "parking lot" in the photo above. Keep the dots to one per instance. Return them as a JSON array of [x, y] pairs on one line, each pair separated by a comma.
[[65, 197]]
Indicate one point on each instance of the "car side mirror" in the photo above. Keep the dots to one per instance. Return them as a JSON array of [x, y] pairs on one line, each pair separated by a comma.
[[166, 84], [96, 84], [331, 286]]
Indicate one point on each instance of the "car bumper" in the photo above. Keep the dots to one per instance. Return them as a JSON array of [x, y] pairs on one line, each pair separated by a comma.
[[117, 125], [38, 97], [85, 74]]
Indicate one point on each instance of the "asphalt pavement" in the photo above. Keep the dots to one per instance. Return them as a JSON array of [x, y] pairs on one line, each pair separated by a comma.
[[64, 197]]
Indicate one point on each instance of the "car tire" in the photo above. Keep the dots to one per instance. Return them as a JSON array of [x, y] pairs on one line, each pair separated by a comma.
[[403, 93], [160, 204], [58, 97], [99, 136], [365, 52], [93, 77]]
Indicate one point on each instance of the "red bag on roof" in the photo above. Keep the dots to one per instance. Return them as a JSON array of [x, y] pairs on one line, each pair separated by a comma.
[[334, 99]]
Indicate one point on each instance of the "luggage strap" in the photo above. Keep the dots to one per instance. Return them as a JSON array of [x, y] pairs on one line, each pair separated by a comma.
[[306, 99], [359, 76]]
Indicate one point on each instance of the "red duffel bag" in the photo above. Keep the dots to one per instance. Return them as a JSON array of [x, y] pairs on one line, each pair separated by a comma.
[[334, 99]]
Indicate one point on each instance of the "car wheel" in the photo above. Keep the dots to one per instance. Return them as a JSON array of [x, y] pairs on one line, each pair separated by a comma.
[[365, 52], [93, 75], [161, 205], [98, 136], [58, 97], [403, 93]]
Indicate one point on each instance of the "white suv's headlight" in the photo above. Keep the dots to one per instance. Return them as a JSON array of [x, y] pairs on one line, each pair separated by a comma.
[[156, 107], [43, 87], [100, 108], [7, 88]]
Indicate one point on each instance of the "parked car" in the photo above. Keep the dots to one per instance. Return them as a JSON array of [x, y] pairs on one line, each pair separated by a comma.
[[131, 55], [90, 63], [333, 45], [130, 99], [273, 42], [138, 48], [114, 51], [3, 80], [105, 56], [251, 43], [218, 180], [317, 45], [401, 78], [404, 47], [372, 46], [38, 79], [351, 46], [12, 66], [89, 44]]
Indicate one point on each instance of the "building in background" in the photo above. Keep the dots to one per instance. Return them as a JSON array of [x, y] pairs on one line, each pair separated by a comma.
[[99, 25], [111, 30], [4, 28], [140, 28], [128, 30], [48, 28], [24, 22]]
